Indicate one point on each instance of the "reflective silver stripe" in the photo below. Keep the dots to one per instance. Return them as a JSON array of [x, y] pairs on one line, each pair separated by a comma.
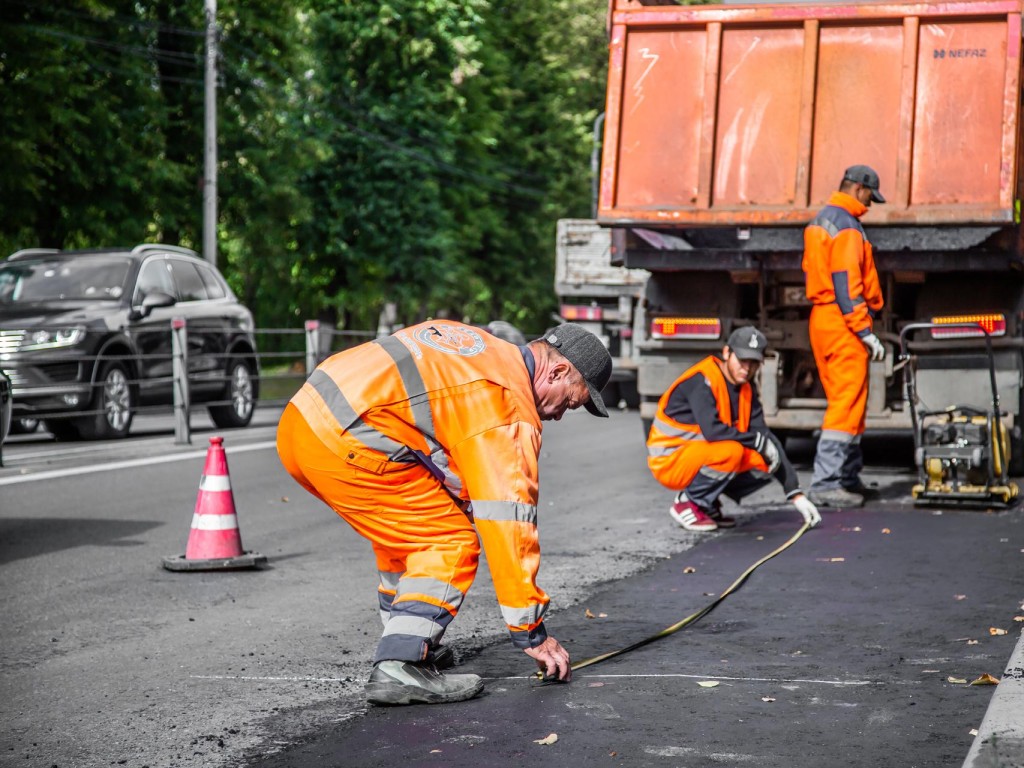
[[376, 440], [523, 617], [415, 389], [670, 430], [505, 510], [657, 451], [715, 474], [451, 480], [838, 437], [389, 579], [439, 590], [829, 226], [413, 625], [336, 402]]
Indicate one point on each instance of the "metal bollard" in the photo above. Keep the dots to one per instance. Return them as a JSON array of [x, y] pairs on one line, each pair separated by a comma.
[[179, 373], [312, 346]]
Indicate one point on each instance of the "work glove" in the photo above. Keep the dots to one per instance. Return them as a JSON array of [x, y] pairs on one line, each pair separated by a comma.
[[875, 348], [806, 508], [769, 451]]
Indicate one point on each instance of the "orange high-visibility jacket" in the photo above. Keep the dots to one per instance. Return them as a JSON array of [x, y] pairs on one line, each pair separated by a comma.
[[667, 435], [839, 263], [464, 399]]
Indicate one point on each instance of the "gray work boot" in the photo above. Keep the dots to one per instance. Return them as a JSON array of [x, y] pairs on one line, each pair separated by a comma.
[[441, 657], [405, 682], [835, 497]]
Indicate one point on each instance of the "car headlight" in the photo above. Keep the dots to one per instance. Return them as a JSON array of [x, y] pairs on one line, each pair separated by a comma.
[[51, 338]]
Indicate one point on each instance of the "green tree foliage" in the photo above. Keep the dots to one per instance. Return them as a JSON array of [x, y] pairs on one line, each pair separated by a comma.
[[415, 151]]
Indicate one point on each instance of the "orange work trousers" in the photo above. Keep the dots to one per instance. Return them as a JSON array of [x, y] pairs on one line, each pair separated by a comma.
[[427, 549], [842, 361], [718, 460]]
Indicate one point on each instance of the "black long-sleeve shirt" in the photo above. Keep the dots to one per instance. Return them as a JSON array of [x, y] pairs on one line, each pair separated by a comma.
[[692, 402]]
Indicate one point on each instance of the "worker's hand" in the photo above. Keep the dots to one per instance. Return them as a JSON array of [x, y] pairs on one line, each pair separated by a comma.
[[769, 451], [806, 508], [875, 349], [552, 659]]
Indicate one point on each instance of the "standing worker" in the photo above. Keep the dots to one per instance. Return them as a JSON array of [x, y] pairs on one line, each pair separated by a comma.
[[842, 286], [709, 438], [416, 438]]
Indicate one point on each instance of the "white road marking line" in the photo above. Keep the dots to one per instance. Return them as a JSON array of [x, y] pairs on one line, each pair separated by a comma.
[[31, 477]]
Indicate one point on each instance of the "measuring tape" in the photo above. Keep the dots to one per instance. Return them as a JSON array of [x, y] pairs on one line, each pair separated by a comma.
[[693, 616]]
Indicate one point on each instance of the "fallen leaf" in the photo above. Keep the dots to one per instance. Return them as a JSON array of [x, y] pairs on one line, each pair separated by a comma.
[[996, 631], [767, 698], [707, 683], [1018, 618], [588, 614], [612, 754], [284, 499], [837, 560], [761, 538], [973, 732], [957, 680], [594, 685], [972, 642], [551, 738], [689, 569], [959, 597], [886, 530], [602, 615], [434, 751], [986, 679]]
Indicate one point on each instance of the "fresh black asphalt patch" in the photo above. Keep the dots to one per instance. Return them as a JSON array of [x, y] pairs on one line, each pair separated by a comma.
[[839, 651]]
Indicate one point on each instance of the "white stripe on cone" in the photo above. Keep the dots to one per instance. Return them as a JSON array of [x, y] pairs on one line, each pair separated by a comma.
[[214, 483], [214, 522]]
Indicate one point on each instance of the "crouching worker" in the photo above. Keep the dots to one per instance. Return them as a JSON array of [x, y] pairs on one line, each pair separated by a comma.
[[426, 442], [709, 438]]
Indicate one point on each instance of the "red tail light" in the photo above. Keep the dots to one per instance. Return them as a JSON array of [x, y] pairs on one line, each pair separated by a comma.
[[995, 324], [686, 328], [581, 312]]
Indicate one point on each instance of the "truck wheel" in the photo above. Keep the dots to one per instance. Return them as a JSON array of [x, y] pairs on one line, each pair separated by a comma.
[[113, 403], [241, 395]]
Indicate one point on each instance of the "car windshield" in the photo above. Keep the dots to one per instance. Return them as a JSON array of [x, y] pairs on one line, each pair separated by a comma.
[[92, 278]]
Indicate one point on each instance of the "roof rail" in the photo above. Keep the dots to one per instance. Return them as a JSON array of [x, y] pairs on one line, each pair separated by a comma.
[[166, 248], [32, 252]]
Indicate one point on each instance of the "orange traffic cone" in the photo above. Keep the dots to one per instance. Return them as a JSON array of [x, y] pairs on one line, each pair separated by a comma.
[[214, 542]]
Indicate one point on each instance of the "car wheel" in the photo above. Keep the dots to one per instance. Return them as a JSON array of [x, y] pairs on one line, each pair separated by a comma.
[[112, 402], [241, 397], [24, 426]]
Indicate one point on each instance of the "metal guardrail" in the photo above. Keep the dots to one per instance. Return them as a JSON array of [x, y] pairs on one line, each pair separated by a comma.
[[318, 341]]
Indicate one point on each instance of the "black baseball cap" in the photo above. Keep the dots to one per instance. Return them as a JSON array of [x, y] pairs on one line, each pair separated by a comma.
[[866, 176], [588, 355], [747, 343]]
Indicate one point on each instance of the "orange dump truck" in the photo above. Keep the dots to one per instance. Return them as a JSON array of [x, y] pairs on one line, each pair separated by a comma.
[[727, 127]]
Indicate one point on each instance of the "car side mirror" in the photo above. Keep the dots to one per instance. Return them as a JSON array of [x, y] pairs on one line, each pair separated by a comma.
[[152, 301]]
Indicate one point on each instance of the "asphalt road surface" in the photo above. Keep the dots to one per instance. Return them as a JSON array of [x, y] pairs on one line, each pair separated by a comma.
[[839, 651]]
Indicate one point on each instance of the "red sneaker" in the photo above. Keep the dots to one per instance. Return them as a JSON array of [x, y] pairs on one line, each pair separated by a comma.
[[721, 520], [690, 516]]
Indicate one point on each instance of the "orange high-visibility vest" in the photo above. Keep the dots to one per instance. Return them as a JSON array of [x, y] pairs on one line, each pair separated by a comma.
[[464, 400]]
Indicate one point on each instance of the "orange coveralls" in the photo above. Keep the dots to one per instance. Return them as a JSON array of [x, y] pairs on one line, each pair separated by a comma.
[[677, 452], [842, 285], [399, 436]]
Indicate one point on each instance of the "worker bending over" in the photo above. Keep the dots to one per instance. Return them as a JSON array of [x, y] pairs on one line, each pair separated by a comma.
[[842, 286], [424, 441], [709, 438]]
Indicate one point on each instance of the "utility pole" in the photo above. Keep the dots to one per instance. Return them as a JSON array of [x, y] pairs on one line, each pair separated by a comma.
[[210, 138]]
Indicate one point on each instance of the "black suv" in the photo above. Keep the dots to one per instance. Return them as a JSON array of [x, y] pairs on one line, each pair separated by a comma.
[[85, 337]]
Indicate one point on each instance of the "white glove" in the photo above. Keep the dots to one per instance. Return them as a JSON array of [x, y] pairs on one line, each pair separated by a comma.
[[875, 348], [806, 508], [769, 452]]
